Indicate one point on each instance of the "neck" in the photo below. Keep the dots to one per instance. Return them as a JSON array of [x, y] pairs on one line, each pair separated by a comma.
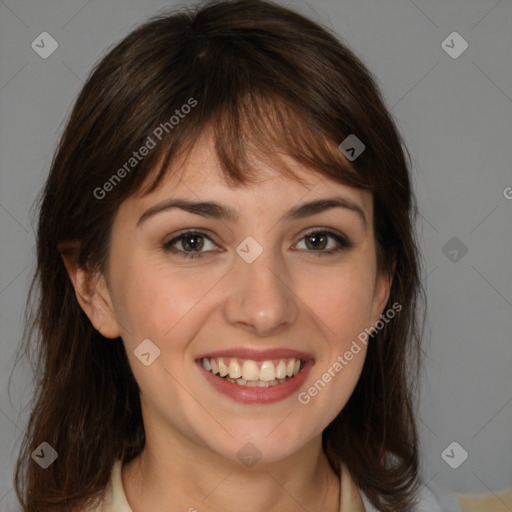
[[182, 476]]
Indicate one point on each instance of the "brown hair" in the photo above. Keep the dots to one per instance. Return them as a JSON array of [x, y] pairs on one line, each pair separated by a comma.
[[266, 81]]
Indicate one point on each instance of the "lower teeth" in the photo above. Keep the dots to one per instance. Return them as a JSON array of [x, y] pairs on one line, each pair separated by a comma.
[[255, 383]]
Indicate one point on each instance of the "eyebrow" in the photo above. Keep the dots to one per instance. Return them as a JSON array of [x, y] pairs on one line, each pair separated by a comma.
[[218, 211]]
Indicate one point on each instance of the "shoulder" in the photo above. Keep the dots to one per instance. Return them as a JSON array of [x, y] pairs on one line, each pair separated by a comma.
[[433, 499], [113, 498], [429, 499]]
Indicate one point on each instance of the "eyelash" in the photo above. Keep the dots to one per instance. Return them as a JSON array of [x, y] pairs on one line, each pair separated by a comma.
[[344, 243]]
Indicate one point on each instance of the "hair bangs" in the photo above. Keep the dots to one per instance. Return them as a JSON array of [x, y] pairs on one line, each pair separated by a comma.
[[254, 129]]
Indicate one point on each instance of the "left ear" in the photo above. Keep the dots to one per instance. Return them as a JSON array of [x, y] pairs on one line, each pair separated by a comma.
[[381, 293]]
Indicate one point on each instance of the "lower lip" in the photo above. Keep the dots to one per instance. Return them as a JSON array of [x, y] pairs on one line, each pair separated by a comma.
[[253, 395]]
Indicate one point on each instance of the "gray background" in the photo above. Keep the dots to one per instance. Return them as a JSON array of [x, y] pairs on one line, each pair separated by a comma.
[[456, 118]]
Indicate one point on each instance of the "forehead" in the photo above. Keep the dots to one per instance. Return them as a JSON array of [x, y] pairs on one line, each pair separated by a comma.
[[196, 182], [198, 175]]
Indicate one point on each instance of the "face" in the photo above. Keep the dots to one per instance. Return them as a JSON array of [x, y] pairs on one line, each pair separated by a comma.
[[261, 295]]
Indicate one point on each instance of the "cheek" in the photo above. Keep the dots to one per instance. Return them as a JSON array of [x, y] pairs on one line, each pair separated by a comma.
[[155, 301], [342, 299]]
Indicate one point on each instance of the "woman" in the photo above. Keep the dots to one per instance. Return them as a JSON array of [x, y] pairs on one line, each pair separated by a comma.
[[229, 281]]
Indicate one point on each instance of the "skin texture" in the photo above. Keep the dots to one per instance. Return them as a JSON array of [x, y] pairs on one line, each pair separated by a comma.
[[287, 298]]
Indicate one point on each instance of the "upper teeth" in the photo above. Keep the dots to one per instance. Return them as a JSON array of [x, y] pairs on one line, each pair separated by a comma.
[[252, 370]]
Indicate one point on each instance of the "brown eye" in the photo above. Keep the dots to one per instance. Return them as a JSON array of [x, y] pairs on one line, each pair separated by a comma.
[[192, 243], [317, 241]]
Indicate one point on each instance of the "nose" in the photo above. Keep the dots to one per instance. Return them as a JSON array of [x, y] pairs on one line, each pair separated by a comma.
[[261, 298]]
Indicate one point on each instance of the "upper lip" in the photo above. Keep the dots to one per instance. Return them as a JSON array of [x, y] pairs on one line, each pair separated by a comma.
[[258, 354]]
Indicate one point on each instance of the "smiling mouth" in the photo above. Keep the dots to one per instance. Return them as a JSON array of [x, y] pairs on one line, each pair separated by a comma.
[[250, 373]]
